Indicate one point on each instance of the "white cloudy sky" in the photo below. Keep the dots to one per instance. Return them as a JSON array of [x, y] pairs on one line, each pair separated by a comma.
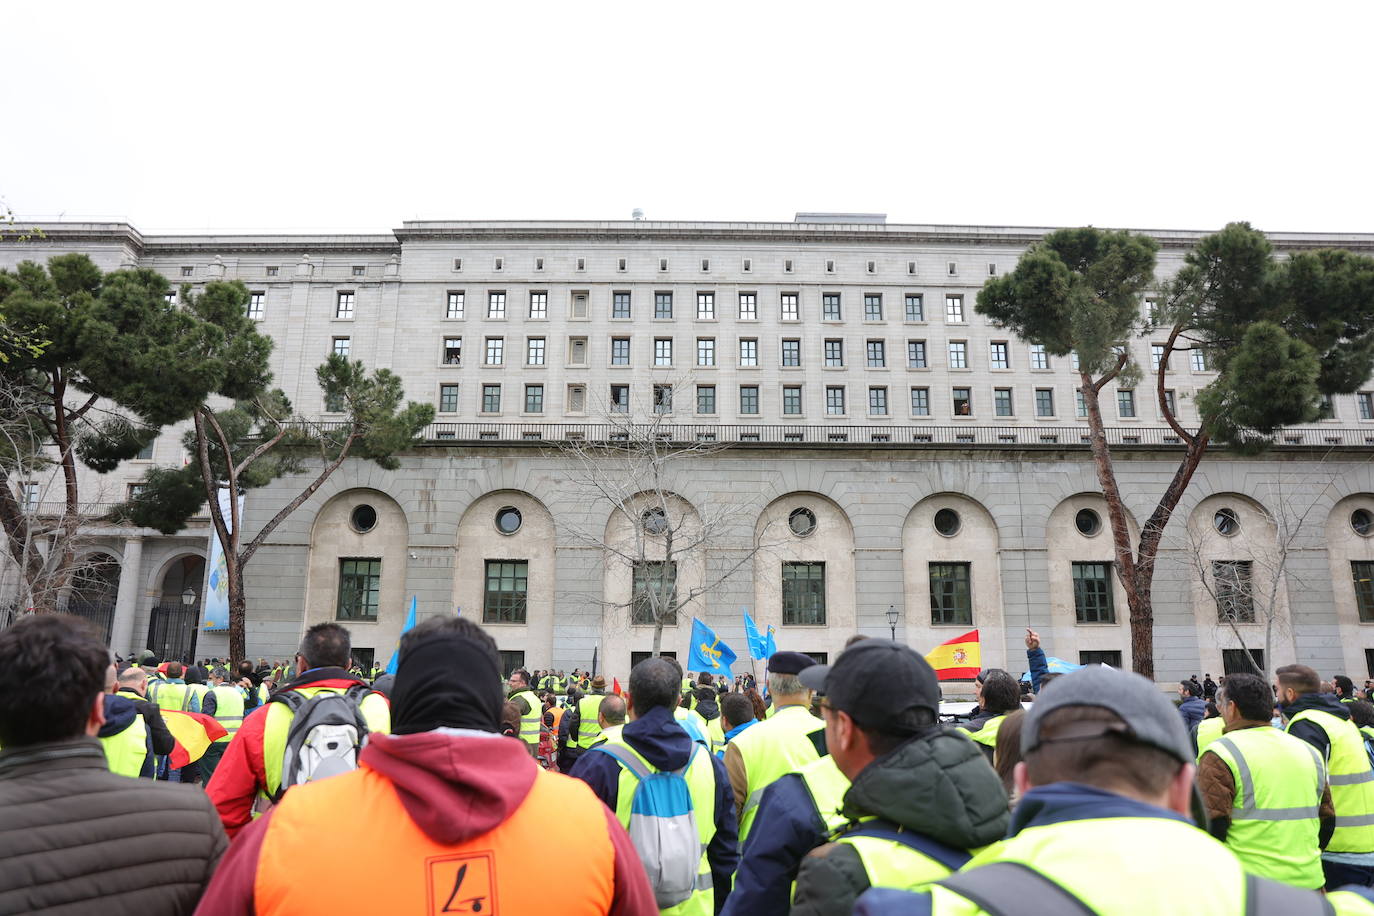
[[293, 115]]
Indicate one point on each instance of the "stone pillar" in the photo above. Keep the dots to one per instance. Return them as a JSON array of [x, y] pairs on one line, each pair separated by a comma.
[[126, 601]]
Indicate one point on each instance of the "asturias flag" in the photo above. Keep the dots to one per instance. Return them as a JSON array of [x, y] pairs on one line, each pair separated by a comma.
[[405, 628], [959, 658], [708, 653], [760, 646], [193, 732]]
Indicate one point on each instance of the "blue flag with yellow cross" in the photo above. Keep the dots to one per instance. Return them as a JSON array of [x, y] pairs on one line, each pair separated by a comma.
[[708, 653]]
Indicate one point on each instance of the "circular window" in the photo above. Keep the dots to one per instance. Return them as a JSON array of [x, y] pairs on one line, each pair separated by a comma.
[[802, 522], [508, 520], [1363, 522], [364, 518], [655, 520], [947, 522], [1088, 522], [1226, 522]]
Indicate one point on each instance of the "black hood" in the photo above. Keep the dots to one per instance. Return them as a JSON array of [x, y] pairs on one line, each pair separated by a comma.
[[1317, 702]]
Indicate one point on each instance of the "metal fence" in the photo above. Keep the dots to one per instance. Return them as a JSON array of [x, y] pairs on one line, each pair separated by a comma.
[[172, 631], [100, 615]]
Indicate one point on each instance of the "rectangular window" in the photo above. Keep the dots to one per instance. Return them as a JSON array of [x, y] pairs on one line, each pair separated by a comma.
[[787, 266], [1198, 360], [342, 346], [1152, 310], [274, 271], [508, 583], [1125, 403], [1000, 357], [1362, 571], [454, 307], [877, 402], [662, 264], [915, 307], [539, 305], [663, 399], [877, 354], [792, 400], [748, 351], [963, 402], [1156, 356], [803, 594], [496, 304], [834, 352], [1365, 400], [453, 351], [343, 307], [920, 402], [1044, 402], [491, 399], [706, 399], [496, 348], [29, 494], [577, 351], [834, 400], [1001, 402], [621, 264], [958, 354], [1073, 360], [873, 307], [791, 307], [748, 400], [498, 264], [830, 307], [360, 588], [1233, 661], [655, 593], [146, 453], [448, 398], [706, 306], [1092, 593], [950, 599], [954, 308], [916, 354], [1326, 408], [663, 351], [577, 399], [705, 265], [620, 305], [534, 351], [1039, 359], [620, 399], [748, 265], [706, 351], [334, 402], [512, 660], [1169, 402], [534, 399], [579, 305], [620, 351], [134, 490], [791, 352], [257, 306], [663, 305], [748, 307], [1100, 657], [1080, 403], [1231, 583]]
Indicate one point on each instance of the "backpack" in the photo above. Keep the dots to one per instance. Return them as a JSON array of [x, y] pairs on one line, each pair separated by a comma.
[[326, 735], [663, 826]]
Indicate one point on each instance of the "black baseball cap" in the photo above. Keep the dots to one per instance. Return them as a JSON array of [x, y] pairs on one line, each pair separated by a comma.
[[877, 682], [789, 663]]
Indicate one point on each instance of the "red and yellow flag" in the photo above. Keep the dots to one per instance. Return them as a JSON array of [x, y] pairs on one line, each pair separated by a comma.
[[958, 658], [194, 732]]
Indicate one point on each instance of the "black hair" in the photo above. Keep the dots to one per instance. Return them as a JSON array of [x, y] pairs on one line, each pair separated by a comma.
[[1361, 713], [655, 682], [1251, 695], [736, 709], [326, 645], [1345, 684], [1191, 687], [52, 667], [1001, 693]]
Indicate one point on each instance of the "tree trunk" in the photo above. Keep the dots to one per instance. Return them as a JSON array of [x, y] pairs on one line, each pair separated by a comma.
[[658, 634], [1140, 605], [238, 606]]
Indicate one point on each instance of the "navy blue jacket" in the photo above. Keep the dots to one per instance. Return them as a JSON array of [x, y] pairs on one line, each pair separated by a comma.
[[1309, 731], [1192, 710], [665, 744], [786, 827]]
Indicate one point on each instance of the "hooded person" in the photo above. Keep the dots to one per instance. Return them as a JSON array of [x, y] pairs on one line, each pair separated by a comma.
[[465, 813]]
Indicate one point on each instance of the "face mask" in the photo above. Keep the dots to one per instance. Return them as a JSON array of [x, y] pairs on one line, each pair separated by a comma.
[[1277, 722]]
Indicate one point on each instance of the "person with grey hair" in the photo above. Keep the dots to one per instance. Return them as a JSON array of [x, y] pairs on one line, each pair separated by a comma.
[[787, 740], [228, 703]]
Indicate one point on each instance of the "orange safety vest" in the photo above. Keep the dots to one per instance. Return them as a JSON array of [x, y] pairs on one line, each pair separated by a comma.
[[298, 866], [557, 720]]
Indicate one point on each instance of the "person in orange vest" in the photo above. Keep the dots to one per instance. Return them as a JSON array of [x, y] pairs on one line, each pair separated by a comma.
[[462, 813]]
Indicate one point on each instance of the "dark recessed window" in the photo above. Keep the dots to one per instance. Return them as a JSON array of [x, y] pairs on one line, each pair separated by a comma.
[[508, 520], [947, 522], [1087, 522], [655, 520], [364, 518], [802, 522], [1226, 522], [1363, 522]]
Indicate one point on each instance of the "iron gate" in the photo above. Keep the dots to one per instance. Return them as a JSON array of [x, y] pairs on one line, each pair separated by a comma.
[[172, 631]]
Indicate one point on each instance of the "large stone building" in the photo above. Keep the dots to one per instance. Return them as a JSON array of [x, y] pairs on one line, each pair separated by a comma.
[[904, 463]]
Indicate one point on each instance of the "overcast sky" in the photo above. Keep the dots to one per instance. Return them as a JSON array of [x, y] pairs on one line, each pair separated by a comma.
[[297, 116]]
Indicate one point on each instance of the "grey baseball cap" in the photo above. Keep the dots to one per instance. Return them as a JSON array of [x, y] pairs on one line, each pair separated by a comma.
[[1148, 715]]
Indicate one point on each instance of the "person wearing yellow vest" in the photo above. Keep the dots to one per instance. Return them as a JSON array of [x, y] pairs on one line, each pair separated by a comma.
[[452, 814], [1265, 792], [1000, 695], [228, 703], [579, 728], [174, 694], [1103, 826], [124, 733], [1210, 729], [249, 773], [787, 740], [653, 742], [920, 795], [132, 685], [531, 709], [1324, 722]]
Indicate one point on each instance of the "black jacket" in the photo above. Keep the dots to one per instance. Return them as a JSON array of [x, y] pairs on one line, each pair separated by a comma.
[[938, 785], [158, 733], [1308, 730]]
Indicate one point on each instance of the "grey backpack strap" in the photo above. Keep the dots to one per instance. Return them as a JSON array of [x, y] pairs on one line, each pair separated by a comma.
[[1270, 898], [1013, 889]]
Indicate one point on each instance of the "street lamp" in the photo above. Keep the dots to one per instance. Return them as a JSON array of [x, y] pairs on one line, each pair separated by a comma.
[[892, 620], [188, 597]]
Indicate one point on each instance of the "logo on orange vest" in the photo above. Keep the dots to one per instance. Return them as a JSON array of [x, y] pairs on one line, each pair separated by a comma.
[[462, 884]]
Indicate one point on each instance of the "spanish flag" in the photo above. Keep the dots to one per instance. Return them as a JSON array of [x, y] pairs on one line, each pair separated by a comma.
[[959, 658], [194, 732]]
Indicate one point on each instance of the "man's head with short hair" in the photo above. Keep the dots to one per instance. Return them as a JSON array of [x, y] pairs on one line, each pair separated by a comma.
[[1189, 689], [735, 710], [219, 676], [1345, 687], [175, 670], [1246, 697], [1361, 713], [53, 671], [519, 679], [1295, 681], [654, 682], [325, 645], [611, 711], [1001, 693]]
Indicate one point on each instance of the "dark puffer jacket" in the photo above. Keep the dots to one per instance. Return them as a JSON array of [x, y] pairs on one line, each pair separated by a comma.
[[938, 784], [76, 838]]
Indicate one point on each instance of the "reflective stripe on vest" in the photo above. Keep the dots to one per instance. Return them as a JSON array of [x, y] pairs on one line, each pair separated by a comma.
[[1274, 823], [1351, 779], [530, 721], [588, 721], [1208, 730], [826, 785], [126, 751], [771, 749], [715, 733], [228, 710], [168, 696], [376, 713]]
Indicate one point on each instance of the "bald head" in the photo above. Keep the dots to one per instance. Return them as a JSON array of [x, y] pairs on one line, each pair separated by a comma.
[[611, 711], [135, 679]]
